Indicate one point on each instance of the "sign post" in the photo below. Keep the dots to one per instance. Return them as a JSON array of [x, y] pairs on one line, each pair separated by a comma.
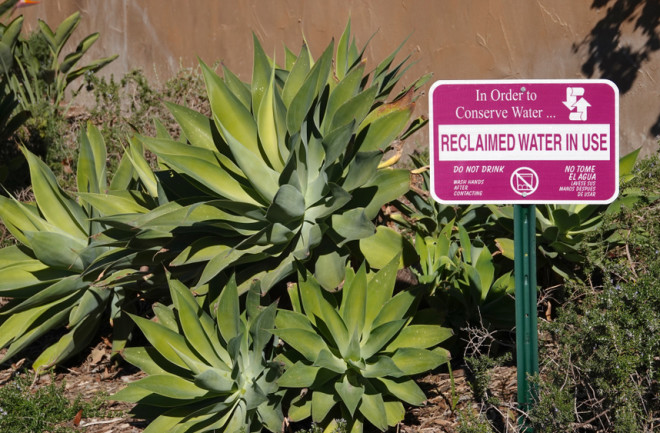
[[527, 356], [524, 142]]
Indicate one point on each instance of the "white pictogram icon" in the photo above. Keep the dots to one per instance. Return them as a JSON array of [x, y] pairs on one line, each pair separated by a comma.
[[575, 101], [524, 181]]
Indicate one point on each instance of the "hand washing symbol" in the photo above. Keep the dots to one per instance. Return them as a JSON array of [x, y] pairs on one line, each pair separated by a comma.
[[573, 103]]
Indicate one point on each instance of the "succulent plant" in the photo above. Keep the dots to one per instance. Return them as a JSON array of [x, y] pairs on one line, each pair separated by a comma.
[[563, 230], [289, 167], [353, 351], [62, 272], [207, 373]]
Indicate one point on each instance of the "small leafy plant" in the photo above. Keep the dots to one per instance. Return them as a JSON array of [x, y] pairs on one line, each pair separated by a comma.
[[207, 373], [354, 350], [45, 74]]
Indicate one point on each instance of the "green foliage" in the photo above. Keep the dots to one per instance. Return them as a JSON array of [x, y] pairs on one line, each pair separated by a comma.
[[35, 74], [470, 422], [207, 373], [465, 284], [45, 408], [10, 121], [44, 74], [419, 213], [336, 426], [289, 164], [607, 343], [354, 350], [564, 230], [61, 272]]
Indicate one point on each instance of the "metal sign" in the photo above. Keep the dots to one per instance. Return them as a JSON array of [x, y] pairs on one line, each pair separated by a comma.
[[524, 141]]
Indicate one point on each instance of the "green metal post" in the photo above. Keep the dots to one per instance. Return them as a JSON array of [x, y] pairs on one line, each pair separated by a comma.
[[524, 238]]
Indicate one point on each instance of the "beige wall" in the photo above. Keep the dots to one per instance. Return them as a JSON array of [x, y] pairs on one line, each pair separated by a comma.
[[454, 39]]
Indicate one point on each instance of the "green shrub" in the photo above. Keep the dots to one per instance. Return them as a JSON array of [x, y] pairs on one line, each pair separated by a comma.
[[603, 368]]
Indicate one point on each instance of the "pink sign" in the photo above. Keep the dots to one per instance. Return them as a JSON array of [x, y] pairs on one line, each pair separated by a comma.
[[524, 141]]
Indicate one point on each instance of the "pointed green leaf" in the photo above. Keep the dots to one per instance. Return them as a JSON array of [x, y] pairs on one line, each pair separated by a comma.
[[57, 250], [354, 109], [288, 206], [420, 336], [342, 64], [196, 127], [70, 343], [215, 380], [354, 302], [165, 341], [353, 225], [230, 112], [329, 270], [379, 337], [189, 312], [322, 402], [92, 156], [330, 362], [261, 74], [404, 389], [228, 314], [382, 367], [296, 76], [267, 126], [307, 343], [416, 361], [171, 386], [302, 101], [114, 203], [299, 376], [240, 89], [350, 393], [387, 244], [202, 165], [380, 133], [264, 179], [373, 409], [58, 208], [379, 292]]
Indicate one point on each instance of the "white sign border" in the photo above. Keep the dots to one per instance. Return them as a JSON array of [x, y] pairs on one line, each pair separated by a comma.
[[439, 83]]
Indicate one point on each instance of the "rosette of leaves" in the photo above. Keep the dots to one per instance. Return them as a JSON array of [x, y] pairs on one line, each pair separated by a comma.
[[291, 161], [207, 373], [353, 351], [63, 273], [564, 231]]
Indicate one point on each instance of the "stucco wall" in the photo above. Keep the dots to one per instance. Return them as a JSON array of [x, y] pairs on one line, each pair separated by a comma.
[[454, 39]]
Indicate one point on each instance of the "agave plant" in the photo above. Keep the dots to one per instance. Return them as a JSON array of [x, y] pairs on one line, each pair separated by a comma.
[[354, 350], [62, 272], [291, 165], [207, 373], [563, 230]]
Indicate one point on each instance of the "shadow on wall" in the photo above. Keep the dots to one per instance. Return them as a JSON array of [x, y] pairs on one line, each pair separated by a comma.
[[609, 52]]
